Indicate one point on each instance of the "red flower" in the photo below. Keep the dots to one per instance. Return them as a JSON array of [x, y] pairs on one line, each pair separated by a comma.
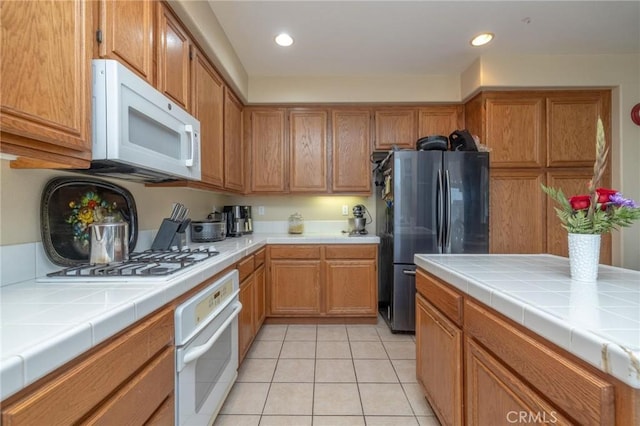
[[92, 204], [604, 194], [579, 202]]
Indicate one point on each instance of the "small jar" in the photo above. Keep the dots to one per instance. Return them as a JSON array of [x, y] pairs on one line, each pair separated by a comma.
[[296, 224]]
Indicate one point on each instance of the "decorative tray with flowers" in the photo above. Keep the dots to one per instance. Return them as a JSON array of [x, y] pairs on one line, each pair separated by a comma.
[[69, 205]]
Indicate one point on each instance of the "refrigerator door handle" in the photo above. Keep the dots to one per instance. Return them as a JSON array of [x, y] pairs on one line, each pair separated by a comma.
[[439, 212], [447, 206], [409, 272]]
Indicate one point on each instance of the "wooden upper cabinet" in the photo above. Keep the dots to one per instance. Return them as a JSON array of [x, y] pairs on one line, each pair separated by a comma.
[[207, 94], [398, 126], [439, 120], [572, 182], [126, 33], [45, 89], [173, 57], [308, 151], [233, 143], [571, 127], [265, 133], [351, 136], [517, 205], [515, 131]]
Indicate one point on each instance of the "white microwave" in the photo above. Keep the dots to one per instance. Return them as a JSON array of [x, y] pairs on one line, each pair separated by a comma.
[[138, 133]]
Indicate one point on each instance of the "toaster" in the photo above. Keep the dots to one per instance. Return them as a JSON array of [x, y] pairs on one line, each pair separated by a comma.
[[206, 231]]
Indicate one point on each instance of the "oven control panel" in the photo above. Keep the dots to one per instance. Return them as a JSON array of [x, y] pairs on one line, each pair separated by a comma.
[[209, 304]]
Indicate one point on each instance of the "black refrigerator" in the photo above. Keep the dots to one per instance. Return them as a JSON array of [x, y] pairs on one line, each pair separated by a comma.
[[426, 202]]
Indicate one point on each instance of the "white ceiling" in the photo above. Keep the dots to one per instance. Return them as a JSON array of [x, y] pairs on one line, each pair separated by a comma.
[[417, 37]]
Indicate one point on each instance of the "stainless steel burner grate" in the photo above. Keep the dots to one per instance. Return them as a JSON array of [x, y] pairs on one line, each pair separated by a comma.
[[141, 264]]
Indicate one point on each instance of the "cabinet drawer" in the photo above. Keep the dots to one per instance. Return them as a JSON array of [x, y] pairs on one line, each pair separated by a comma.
[[90, 381], [351, 251], [259, 257], [448, 301], [142, 396], [573, 389], [295, 252], [245, 267]]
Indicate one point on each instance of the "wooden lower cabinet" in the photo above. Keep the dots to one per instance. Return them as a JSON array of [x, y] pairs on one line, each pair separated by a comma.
[[246, 330], [326, 281], [126, 380], [439, 361], [252, 298], [295, 287], [496, 396], [500, 373]]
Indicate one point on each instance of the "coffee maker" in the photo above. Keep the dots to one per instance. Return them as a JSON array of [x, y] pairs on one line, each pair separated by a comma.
[[239, 220]]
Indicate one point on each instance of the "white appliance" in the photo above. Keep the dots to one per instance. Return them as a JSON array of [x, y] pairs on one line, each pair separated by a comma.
[[138, 133], [206, 351]]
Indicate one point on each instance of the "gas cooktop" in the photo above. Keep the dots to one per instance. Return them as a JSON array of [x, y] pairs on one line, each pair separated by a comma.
[[149, 264]]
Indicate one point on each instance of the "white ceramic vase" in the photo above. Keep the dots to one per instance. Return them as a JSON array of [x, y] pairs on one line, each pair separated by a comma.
[[584, 256]]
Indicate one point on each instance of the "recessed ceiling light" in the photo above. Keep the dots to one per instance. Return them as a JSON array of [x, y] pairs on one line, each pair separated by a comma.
[[284, 40], [481, 39]]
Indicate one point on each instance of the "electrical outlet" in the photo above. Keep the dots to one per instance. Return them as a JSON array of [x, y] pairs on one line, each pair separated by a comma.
[[345, 210], [260, 210]]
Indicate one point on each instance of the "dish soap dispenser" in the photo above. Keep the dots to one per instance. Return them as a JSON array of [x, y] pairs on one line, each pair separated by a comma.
[[296, 224]]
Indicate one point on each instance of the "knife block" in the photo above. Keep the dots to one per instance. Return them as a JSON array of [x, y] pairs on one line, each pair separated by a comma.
[[166, 234]]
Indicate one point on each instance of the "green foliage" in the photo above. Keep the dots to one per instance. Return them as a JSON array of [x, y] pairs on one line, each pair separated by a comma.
[[601, 222]]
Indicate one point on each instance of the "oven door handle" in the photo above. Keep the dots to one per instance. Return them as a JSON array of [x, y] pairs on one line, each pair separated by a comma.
[[198, 351]]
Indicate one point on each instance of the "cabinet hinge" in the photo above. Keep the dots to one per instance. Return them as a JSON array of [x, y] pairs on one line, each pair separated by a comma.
[[99, 36], [190, 53]]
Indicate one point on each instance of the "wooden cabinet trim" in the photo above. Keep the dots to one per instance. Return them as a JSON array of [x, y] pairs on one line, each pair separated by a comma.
[[484, 408], [88, 383], [245, 267], [294, 252], [350, 251], [575, 390], [445, 299], [138, 400], [259, 257]]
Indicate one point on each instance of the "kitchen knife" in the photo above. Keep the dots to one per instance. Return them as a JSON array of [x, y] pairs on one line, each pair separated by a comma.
[[174, 211]]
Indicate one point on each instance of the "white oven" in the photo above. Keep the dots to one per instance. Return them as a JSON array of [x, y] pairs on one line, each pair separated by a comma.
[[206, 351]]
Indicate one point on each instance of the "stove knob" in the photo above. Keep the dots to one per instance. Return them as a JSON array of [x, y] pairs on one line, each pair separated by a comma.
[[174, 248], [212, 248]]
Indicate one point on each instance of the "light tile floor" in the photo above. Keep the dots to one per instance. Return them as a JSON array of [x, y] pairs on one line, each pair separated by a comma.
[[328, 375]]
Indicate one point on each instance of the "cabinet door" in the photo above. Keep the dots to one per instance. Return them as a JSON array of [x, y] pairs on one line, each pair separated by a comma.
[[268, 150], [208, 100], [351, 150], [517, 212], [571, 127], [439, 120], [439, 362], [259, 299], [173, 58], [495, 396], [45, 89], [572, 182], [351, 287], [127, 34], [294, 287], [397, 127], [308, 151], [515, 131], [246, 316], [233, 143]]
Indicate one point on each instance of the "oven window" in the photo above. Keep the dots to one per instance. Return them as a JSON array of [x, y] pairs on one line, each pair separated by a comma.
[[211, 365]]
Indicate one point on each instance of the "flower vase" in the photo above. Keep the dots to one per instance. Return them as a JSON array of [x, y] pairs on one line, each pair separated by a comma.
[[584, 256]]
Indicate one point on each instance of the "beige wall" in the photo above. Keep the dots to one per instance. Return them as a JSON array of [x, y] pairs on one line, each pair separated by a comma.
[[21, 191], [345, 89]]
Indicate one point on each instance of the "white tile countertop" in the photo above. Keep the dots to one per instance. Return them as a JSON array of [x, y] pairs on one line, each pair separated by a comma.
[[46, 324], [598, 322]]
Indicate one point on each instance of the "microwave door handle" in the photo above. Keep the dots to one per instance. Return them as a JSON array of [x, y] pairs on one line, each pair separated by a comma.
[[188, 128], [198, 351]]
